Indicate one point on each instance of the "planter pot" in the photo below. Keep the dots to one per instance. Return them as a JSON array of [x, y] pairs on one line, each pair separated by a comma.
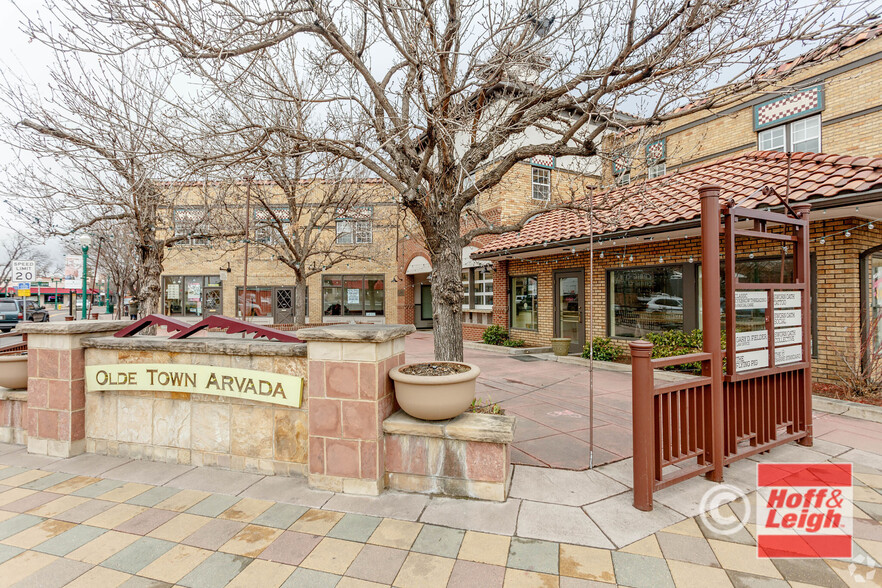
[[561, 346], [14, 371], [68, 318], [435, 398]]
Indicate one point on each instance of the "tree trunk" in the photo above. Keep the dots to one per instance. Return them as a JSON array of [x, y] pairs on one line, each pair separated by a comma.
[[300, 301], [150, 291], [447, 289]]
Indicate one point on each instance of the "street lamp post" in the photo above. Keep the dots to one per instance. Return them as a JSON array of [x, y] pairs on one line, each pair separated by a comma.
[[85, 241]]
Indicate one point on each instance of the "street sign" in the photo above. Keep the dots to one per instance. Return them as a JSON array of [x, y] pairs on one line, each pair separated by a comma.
[[23, 289], [23, 271]]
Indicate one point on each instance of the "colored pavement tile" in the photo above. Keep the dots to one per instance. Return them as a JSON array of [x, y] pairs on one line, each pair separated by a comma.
[[102, 547], [98, 488], [280, 515], [265, 574], [17, 524], [216, 571], [332, 555], [377, 564], [251, 540], [213, 505], [180, 527], [175, 563], [70, 540], [138, 555], [424, 571], [58, 573], [313, 578], [641, 571], [214, 534], [534, 555], [145, 522], [435, 540], [355, 527], [290, 547], [153, 496], [47, 481]]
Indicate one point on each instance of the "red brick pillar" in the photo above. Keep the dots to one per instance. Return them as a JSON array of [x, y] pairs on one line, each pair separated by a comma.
[[500, 293], [56, 394], [349, 396]]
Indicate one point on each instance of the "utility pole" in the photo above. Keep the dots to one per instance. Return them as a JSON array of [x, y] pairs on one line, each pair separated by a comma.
[[248, 179]]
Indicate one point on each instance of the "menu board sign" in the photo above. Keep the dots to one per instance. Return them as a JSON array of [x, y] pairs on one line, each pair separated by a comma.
[[751, 300], [751, 340], [751, 360]]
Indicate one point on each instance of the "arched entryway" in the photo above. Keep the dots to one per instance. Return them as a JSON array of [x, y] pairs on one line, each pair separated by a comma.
[[419, 270]]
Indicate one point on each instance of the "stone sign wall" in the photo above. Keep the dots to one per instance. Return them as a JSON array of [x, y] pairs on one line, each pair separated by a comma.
[[191, 428]]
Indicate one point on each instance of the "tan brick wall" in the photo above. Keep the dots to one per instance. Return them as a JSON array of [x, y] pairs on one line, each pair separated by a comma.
[[837, 276], [844, 94]]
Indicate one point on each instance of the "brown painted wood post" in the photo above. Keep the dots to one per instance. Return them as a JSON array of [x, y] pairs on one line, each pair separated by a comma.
[[710, 317], [802, 273], [643, 436]]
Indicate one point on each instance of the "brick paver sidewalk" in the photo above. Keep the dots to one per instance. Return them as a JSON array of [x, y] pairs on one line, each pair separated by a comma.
[[63, 528]]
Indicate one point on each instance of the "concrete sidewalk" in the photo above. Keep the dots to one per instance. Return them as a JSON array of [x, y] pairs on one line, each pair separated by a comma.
[[102, 521]]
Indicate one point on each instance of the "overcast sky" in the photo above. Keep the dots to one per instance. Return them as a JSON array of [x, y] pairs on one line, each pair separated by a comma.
[[27, 60]]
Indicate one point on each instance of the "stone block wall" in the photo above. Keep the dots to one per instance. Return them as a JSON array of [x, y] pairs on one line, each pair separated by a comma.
[[14, 416], [349, 397], [468, 456], [56, 414], [199, 429]]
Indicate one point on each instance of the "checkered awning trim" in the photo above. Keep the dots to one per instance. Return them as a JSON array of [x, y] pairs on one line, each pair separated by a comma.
[[781, 109], [543, 161]]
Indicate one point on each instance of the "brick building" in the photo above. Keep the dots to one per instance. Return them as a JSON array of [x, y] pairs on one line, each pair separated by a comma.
[[647, 259], [204, 276], [827, 102]]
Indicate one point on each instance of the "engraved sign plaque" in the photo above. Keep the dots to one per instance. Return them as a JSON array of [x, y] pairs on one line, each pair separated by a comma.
[[751, 300], [751, 360], [751, 340]]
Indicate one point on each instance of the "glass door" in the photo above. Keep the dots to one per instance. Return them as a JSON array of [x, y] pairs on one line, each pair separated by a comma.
[[212, 301], [284, 312], [873, 320], [426, 302], [569, 301]]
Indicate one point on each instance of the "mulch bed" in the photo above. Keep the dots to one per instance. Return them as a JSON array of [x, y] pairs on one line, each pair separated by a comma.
[[434, 369], [840, 393]]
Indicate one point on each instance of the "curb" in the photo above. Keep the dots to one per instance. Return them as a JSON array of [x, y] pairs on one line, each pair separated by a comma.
[[504, 350], [847, 408]]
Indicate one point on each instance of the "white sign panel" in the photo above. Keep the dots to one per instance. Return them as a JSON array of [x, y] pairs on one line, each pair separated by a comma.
[[751, 360], [751, 300], [352, 295], [23, 271], [788, 318], [71, 284], [751, 340], [788, 336], [173, 291], [785, 355], [788, 299]]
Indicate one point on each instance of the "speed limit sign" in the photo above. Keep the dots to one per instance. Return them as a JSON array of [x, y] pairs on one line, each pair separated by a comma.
[[23, 271]]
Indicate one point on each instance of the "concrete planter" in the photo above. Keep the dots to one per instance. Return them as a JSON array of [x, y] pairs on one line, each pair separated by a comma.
[[561, 346], [435, 398], [14, 371]]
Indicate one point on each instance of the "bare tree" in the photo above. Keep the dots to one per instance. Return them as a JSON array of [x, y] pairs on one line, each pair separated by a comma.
[[441, 99], [92, 158]]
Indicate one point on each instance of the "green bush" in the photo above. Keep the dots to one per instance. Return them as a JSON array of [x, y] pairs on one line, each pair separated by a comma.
[[514, 343], [495, 335], [671, 343], [604, 350]]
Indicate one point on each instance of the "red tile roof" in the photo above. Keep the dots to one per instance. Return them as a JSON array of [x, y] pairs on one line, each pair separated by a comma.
[[674, 196]]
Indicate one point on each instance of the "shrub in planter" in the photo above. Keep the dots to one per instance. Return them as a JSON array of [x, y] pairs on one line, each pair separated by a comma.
[[604, 350], [514, 343], [495, 335], [671, 343]]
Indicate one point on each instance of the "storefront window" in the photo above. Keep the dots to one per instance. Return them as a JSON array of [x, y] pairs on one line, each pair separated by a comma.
[[483, 289], [191, 296], [173, 291], [522, 306], [258, 301], [466, 296], [353, 295], [646, 300]]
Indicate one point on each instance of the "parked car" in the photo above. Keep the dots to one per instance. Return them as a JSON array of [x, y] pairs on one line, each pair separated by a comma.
[[8, 314], [37, 313]]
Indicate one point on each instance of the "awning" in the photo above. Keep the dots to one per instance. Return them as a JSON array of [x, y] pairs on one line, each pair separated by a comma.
[[418, 265]]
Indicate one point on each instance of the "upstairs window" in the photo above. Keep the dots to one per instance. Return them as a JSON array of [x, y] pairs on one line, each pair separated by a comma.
[[541, 183], [801, 135], [355, 226], [656, 153], [190, 221], [790, 123]]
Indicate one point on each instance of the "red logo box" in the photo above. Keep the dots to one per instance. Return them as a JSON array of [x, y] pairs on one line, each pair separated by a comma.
[[804, 510]]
